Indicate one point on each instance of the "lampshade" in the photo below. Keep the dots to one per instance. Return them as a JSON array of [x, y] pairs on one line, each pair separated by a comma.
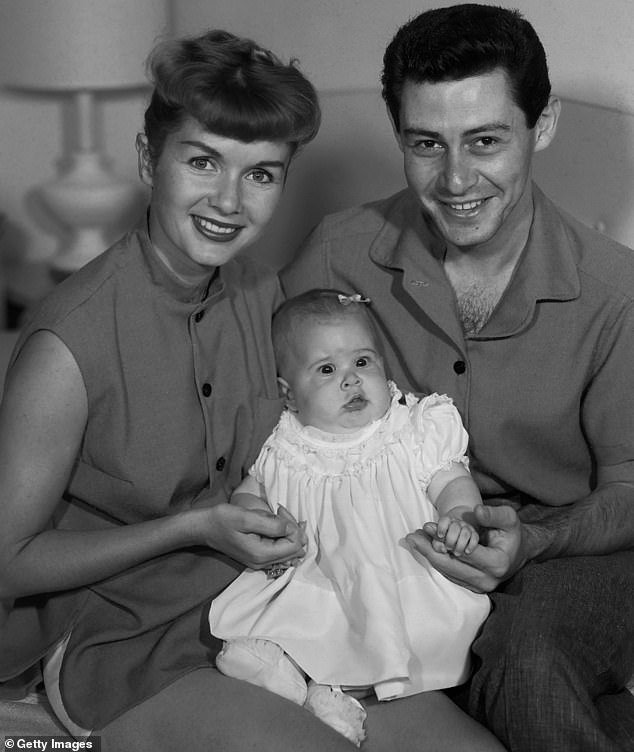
[[80, 50], [68, 45]]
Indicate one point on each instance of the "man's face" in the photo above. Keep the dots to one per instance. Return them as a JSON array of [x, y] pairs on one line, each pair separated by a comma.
[[467, 154]]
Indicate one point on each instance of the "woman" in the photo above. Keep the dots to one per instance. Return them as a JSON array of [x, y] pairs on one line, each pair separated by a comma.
[[137, 398]]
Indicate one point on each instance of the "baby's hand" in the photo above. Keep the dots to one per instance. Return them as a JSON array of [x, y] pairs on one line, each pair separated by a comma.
[[296, 530], [454, 535]]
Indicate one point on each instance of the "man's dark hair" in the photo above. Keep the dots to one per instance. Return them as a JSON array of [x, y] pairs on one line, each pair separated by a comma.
[[449, 44]]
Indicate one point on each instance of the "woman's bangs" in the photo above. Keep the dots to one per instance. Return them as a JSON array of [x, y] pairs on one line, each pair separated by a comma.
[[244, 118]]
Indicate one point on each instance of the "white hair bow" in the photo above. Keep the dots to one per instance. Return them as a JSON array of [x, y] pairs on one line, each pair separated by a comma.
[[356, 298]]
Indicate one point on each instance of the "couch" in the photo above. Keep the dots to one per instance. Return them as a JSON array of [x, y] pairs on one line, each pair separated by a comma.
[[355, 159]]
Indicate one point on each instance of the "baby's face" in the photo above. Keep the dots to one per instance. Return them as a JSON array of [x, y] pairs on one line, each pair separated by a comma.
[[336, 380]]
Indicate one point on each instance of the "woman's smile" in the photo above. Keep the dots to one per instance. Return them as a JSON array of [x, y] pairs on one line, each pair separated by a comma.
[[219, 232]]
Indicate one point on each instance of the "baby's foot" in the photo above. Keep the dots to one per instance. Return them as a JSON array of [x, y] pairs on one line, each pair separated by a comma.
[[265, 664], [337, 709]]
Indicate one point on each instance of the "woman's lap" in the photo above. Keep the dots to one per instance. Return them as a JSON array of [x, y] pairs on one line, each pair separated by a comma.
[[205, 711]]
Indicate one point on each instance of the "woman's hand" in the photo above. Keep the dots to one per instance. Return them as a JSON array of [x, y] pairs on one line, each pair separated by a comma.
[[254, 537]]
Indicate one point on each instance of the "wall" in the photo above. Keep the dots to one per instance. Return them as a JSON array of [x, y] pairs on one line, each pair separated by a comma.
[[341, 42], [32, 150], [589, 169]]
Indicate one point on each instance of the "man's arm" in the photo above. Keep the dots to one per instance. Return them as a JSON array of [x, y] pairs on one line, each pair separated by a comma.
[[601, 523]]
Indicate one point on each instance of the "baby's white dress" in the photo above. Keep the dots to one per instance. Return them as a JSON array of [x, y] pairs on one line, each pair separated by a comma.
[[359, 610]]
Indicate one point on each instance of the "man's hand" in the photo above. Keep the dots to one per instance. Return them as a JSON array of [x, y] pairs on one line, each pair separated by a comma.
[[497, 557]]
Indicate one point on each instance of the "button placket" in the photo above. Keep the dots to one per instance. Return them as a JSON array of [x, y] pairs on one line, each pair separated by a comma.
[[206, 388]]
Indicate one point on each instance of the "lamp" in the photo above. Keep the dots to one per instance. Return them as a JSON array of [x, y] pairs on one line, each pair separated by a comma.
[[81, 49]]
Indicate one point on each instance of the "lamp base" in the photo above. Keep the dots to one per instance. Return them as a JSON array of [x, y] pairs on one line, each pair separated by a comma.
[[88, 201]]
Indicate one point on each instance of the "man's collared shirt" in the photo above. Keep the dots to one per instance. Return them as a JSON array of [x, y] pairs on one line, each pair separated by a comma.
[[544, 388]]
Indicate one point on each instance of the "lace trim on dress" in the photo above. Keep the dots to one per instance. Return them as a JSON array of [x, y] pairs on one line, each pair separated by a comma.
[[291, 440], [425, 478]]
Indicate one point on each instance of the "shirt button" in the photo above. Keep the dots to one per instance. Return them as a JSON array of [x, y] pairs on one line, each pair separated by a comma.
[[199, 316], [459, 366], [220, 465], [206, 390]]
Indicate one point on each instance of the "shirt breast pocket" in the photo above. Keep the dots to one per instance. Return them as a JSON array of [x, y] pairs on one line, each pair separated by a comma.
[[105, 495]]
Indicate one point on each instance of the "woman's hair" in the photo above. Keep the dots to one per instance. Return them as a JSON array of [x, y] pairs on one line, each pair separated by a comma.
[[232, 87], [319, 305], [453, 43]]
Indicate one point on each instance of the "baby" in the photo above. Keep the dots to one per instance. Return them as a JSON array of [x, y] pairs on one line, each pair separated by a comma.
[[361, 465]]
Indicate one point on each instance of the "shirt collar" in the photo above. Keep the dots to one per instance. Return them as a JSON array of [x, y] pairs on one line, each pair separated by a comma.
[[546, 269], [164, 278]]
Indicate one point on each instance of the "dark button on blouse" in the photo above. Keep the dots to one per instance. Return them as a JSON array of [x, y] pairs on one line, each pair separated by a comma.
[[459, 366], [220, 465], [206, 390], [198, 316]]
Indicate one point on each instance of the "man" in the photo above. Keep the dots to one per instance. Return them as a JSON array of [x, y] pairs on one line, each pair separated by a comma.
[[484, 290]]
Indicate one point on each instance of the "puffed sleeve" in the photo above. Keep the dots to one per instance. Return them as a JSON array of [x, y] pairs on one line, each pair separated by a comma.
[[440, 438]]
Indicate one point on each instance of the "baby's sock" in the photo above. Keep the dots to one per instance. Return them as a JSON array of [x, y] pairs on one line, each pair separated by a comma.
[[337, 709], [265, 664]]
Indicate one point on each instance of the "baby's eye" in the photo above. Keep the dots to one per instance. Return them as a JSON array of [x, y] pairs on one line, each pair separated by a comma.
[[327, 369], [361, 362]]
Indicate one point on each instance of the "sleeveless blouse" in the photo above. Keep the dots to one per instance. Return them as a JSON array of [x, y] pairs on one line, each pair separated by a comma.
[[182, 393]]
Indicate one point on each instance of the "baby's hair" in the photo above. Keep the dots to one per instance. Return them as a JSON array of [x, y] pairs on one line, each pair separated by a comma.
[[319, 305]]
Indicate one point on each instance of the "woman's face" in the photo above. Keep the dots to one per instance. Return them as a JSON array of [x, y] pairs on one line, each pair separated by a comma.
[[212, 196]]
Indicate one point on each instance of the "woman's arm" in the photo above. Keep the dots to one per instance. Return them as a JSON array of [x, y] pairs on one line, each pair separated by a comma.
[[42, 421]]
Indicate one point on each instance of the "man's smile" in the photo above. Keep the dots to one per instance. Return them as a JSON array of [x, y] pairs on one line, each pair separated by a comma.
[[468, 208]]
